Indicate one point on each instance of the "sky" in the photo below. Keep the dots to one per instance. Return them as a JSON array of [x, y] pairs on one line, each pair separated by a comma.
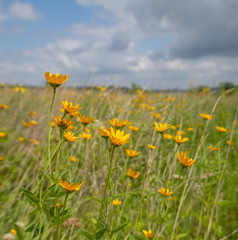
[[157, 44]]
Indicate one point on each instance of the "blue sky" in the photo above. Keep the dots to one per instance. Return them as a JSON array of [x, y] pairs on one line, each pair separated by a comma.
[[156, 42]]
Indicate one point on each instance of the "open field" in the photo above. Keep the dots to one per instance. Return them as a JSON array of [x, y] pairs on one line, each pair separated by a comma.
[[202, 200]]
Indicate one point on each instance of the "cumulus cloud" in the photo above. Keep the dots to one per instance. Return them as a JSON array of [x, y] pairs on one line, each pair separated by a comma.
[[23, 11]]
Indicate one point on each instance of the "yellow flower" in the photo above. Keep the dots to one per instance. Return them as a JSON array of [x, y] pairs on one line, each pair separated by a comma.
[[221, 129], [155, 114], [26, 124], [184, 159], [85, 136], [134, 129], [70, 187], [116, 202], [230, 143], [116, 123], [3, 134], [117, 138], [13, 231], [200, 124], [65, 124], [34, 141], [167, 136], [161, 127], [190, 129], [131, 153], [102, 133], [85, 120], [69, 108], [180, 132], [132, 173], [149, 233], [165, 192], [73, 159], [21, 139], [180, 140], [69, 136], [213, 149], [58, 205], [1, 158], [56, 80], [171, 99], [101, 88], [32, 113], [206, 116], [173, 127], [4, 106], [19, 89], [33, 122], [152, 147]]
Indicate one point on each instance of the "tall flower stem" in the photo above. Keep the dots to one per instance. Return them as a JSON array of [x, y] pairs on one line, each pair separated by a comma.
[[46, 162], [65, 200]]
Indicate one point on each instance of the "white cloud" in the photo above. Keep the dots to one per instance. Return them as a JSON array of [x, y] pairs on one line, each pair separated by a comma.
[[23, 11]]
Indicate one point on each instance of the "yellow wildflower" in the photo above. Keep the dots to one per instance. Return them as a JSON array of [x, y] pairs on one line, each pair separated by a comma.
[[56, 80], [13, 231], [117, 138], [221, 129], [149, 233], [131, 153], [19, 89], [206, 116], [32, 113], [85, 120], [69, 136], [116, 202], [213, 149], [1, 158], [161, 127], [102, 133], [4, 106], [167, 136], [85, 136], [73, 159], [180, 132], [152, 147], [173, 127], [34, 141], [180, 140], [101, 88], [190, 129], [33, 122], [165, 192], [116, 123], [230, 143], [184, 159], [69, 108], [133, 128], [3, 134], [132, 173], [70, 187]]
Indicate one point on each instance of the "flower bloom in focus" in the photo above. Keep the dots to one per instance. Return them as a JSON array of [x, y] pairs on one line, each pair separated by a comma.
[[69, 136], [116, 202], [165, 192], [152, 147], [161, 127], [102, 133], [69, 108], [206, 116], [221, 129], [132, 173], [149, 233], [117, 137], [70, 187], [131, 153], [56, 80], [180, 140], [184, 159]]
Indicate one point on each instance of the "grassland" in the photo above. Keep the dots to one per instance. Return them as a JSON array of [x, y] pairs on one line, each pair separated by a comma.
[[204, 203]]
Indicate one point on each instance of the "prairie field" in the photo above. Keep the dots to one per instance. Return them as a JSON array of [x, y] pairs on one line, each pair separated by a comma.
[[183, 185]]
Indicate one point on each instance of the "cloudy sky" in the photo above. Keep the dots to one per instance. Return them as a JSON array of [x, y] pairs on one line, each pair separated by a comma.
[[153, 43]]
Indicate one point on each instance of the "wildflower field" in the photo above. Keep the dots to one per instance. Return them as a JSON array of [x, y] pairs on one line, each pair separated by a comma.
[[100, 163]]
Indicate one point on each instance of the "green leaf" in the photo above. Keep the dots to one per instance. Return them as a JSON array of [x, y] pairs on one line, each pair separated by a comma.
[[49, 192], [87, 235], [30, 196], [160, 220], [96, 199], [20, 232], [100, 233], [118, 228]]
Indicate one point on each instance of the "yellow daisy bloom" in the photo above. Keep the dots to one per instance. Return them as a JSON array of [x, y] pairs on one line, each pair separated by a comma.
[[221, 129], [85, 120], [4, 106], [73, 159], [132, 173], [131, 153], [152, 147], [134, 129], [116, 202], [116, 123], [69, 136], [85, 136], [165, 192], [3, 134], [184, 159], [56, 80], [161, 127], [180, 140], [70, 187], [69, 108], [206, 116], [213, 149], [117, 138], [34, 141], [167, 136], [148, 234]]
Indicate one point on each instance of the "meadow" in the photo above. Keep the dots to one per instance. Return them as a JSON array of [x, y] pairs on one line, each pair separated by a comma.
[[102, 163]]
